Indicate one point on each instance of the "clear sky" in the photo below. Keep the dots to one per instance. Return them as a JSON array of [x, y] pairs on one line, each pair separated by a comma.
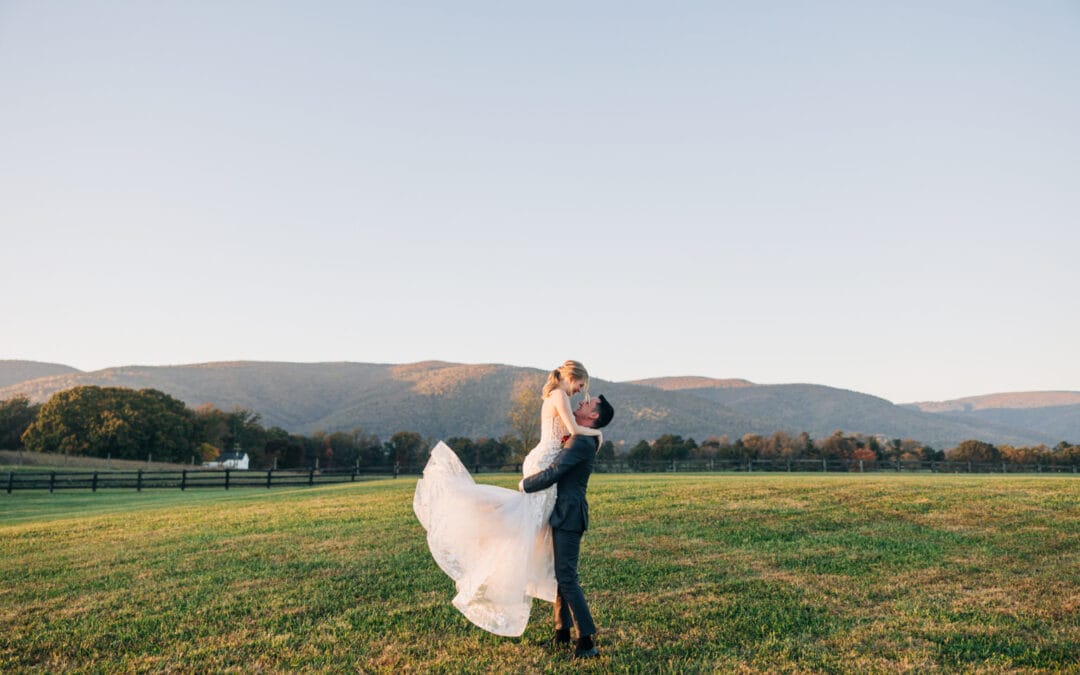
[[879, 196]]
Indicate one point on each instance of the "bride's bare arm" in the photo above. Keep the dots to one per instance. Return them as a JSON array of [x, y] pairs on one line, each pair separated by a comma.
[[562, 407]]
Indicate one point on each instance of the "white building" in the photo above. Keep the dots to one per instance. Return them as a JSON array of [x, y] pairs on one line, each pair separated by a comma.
[[230, 460]]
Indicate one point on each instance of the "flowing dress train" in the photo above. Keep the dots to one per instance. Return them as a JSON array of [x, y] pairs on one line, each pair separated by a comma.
[[493, 542]]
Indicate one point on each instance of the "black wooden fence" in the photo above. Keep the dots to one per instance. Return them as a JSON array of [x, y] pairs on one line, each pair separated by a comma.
[[184, 480], [790, 465], [834, 465], [238, 478]]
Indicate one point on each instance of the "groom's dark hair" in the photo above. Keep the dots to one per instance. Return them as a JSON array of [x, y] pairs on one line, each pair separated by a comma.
[[605, 411]]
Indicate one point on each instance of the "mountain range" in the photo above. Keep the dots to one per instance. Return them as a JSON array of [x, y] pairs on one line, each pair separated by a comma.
[[440, 400]]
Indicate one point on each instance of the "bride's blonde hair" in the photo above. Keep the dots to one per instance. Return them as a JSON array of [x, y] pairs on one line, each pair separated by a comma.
[[568, 370]]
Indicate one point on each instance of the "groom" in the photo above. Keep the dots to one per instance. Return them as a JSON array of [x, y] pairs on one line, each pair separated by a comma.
[[570, 519]]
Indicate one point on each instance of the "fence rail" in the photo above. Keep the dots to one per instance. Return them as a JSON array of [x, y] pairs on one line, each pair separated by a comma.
[[237, 478], [834, 465], [184, 480], [790, 465]]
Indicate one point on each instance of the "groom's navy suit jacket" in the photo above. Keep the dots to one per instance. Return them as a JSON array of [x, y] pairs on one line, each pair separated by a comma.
[[570, 470]]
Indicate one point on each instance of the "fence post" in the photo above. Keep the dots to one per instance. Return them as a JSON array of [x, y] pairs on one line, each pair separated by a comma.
[[269, 472], [138, 482], [969, 466], [183, 480], [11, 480], [861, 466], [52, 481], [227, 472], [353, 479], [311, 477], [824, 465], [93, 484]]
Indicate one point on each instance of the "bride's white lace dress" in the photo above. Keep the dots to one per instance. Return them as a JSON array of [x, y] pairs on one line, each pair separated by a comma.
[[493, 542]]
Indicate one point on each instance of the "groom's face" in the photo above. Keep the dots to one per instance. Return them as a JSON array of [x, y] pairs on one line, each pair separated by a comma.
[[585, 414]]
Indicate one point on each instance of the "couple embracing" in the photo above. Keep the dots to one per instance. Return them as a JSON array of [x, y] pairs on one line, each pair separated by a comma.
[[504, 547]]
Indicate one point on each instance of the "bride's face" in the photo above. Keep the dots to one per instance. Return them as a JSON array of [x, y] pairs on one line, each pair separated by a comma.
[[578, 387]]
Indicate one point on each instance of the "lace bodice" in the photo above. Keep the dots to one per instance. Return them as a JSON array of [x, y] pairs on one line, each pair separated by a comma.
[[551, 426], [551, 434]]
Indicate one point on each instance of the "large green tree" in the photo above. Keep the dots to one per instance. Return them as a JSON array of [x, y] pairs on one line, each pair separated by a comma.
[[350, 448], [115, 422], [407, 448], [16, 416]]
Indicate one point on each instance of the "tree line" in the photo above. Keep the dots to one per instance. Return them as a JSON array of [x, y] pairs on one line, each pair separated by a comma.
[[147, 424], [124, 423], [842, 446]]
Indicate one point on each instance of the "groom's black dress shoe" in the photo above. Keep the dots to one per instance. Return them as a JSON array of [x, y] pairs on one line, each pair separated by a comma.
[[561, 640], [585, 648]]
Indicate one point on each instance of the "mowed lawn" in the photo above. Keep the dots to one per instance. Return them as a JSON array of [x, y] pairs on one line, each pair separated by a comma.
[[770, 573]]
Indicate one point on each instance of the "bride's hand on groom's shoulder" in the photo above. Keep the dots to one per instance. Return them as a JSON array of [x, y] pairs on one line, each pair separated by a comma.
[[521, 485]]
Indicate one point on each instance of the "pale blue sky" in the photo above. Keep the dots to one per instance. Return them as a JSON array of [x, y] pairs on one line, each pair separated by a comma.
[[877, 196]]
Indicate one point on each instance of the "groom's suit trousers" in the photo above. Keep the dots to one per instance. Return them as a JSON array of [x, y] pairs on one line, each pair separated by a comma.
[[570, 602], [569, 520]]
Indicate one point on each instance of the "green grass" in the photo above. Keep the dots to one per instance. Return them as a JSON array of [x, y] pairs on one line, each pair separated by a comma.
[[766, 573]]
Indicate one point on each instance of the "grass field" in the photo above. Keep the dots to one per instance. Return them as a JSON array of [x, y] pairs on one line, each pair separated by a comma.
[[770, 573], [14, 460]]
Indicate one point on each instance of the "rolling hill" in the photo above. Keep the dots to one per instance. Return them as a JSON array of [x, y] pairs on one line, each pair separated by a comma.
[[1008, 400], [690, 382], [440, 400], [1052, 414], [434, 398], [821, 410], [14, 372]]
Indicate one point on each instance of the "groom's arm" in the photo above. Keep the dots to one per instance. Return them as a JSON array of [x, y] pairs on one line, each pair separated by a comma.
[[564, 461]]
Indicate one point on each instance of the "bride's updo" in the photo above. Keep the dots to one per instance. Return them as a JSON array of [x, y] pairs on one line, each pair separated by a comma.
[[570, 370]]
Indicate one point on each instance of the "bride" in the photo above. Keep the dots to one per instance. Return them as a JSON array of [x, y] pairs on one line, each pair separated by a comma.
[[493, 542]]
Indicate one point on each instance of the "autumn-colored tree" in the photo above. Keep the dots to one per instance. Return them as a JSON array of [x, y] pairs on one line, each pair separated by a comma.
[[712, 447], [838, 446], [525, 419], [777, 445], [864, 455], [974, 451], [1024, 455], [753, 445]]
